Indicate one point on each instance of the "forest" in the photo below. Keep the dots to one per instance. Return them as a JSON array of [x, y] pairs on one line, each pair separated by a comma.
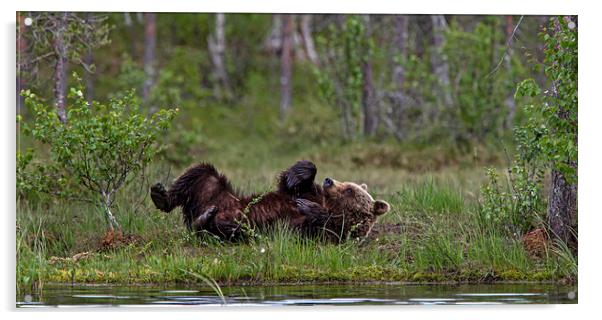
[[465, 125]]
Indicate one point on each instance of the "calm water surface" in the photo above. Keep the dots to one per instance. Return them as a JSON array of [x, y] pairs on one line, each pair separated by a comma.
[[381, 294]]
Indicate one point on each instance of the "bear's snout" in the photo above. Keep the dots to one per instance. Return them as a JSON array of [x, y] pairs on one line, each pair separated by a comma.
[[328, 183]]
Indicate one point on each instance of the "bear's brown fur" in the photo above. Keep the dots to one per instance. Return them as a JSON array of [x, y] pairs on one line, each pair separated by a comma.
[[349, 211], [209, 203]]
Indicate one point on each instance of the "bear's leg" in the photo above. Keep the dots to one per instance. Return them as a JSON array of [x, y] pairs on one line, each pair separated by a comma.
[[298, 179], [316, 216], [161, 199], [312, 211], [201, 221]]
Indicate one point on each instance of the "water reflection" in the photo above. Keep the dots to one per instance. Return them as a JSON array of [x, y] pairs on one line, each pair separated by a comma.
[[300, 295]]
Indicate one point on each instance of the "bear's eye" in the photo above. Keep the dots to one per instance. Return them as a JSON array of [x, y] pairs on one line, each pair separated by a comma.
[[349, 191]]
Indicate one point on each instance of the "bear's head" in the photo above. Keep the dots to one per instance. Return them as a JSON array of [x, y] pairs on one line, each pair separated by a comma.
[[355, 210]]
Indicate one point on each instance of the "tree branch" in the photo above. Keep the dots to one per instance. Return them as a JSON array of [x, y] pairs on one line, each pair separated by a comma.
[[508, 44]]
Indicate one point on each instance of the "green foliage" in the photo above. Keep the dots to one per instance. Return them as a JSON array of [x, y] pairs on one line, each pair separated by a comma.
[[25, 183], [245, 34], [102, 146], [419, 80], [548, 139], [35, 180], [550, 134], [131, 76], [180, 80], [515, 206], [183, 146], [480, 85], [340, 78]]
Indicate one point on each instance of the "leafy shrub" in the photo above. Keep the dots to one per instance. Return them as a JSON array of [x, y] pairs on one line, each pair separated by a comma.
[[102, 146], [548, 140], [36, 180], [515, 206]]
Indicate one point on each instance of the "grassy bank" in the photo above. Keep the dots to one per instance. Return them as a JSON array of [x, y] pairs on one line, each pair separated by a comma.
[[433, 232]]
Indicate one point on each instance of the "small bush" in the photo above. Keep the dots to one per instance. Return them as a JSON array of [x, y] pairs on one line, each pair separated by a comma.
[[99, 149], [516, 207]]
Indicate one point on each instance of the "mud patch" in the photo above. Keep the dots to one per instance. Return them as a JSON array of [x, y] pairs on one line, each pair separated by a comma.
[[114, 239]]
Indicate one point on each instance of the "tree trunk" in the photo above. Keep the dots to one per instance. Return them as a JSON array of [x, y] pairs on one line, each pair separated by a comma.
[[60, 69], [150, 45], [400, 50], [562, 201], [112, 222], [286, 65], [273, 42], [401, 47], [308, 40], [510, 104], [422, 27], [562, 207], [21, 60], [368, 101], [89, 75], [127, 19], [132, 34], [438, 61], [217, 49]]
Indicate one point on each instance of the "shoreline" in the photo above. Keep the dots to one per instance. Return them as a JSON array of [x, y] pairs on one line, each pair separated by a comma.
[[320, 283]]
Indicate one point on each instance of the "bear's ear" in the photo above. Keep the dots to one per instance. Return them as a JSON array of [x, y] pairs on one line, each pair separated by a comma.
[[380, 207], [364, 186]]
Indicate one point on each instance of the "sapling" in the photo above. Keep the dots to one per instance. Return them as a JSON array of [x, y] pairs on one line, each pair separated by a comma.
[[102, 146]]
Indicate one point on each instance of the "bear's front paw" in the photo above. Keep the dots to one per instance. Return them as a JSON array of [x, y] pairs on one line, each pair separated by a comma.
[[158, 189], [307, 207], [159, 197]]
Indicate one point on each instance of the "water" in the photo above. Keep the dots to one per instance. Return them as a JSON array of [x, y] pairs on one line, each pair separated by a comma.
[[299, 295]]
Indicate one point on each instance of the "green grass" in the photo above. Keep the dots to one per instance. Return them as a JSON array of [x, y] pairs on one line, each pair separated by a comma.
[[438, 238], [432, 232]]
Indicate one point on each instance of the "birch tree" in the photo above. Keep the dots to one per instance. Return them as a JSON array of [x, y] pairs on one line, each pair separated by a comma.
[[21, 58], [308, 40], [150, 48], [217, 52], [438, 61], [369, 106], [63, 37], [394, 117]]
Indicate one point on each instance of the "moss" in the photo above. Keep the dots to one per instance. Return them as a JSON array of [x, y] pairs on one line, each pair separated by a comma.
[[429, 277], [296, 274], [512, 275], [542, 276]]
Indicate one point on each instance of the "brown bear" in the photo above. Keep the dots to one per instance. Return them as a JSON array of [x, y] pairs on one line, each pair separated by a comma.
[[336, 210]]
